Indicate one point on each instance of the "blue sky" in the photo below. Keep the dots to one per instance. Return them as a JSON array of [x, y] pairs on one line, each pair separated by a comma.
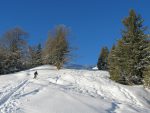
[[93, 23]]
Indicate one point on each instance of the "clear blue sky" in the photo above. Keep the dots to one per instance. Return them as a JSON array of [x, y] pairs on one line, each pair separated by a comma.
[[93, 23]]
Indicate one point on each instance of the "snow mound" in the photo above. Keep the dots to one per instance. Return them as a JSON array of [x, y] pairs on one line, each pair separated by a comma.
[[69, 91]]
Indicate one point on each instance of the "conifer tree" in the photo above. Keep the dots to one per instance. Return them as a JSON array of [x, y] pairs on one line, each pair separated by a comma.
[[2, 60], [147, 77], [131, 51], [35, 55], [14, 41], [147, 71], [103, 59], [39, 55], [32, 57], [112, 64]]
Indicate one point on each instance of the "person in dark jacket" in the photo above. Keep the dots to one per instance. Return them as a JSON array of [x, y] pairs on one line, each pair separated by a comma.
[[35, 74]]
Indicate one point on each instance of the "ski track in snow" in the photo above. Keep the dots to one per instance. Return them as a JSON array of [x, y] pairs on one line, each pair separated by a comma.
[[81, 82], [8, 98]]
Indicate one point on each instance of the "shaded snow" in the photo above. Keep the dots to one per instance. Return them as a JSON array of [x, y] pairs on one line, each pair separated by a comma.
[[69, 91]]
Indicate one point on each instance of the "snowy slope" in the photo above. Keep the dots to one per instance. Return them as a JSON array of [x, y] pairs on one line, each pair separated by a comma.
[[69, 91]]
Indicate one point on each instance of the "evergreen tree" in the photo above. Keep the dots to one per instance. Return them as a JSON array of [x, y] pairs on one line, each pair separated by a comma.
[[131, 51], [112, 61], [13, 43], [147, 71], [2, 59], [103, 59], [147, 78], [39, 55], [35, 55], [32, 57]]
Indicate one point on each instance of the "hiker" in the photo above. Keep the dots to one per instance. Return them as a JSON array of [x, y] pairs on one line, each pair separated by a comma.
[[35, 74]]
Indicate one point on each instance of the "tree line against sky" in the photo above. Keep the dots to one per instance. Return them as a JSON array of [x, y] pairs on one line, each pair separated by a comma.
[[128, 62]]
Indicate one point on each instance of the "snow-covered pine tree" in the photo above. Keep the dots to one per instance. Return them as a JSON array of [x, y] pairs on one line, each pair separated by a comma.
[[35, 55], [2, 59], [13, 43], [147, 78], [102, 63], [32, 55], [131, 50], [112, 59], [39, 55], [147, 71]]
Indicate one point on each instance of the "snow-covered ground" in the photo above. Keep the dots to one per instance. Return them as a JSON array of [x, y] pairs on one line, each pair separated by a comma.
[[69, 91]]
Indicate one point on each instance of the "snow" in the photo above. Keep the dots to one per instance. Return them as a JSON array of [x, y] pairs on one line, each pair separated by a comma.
[[69, 91]]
